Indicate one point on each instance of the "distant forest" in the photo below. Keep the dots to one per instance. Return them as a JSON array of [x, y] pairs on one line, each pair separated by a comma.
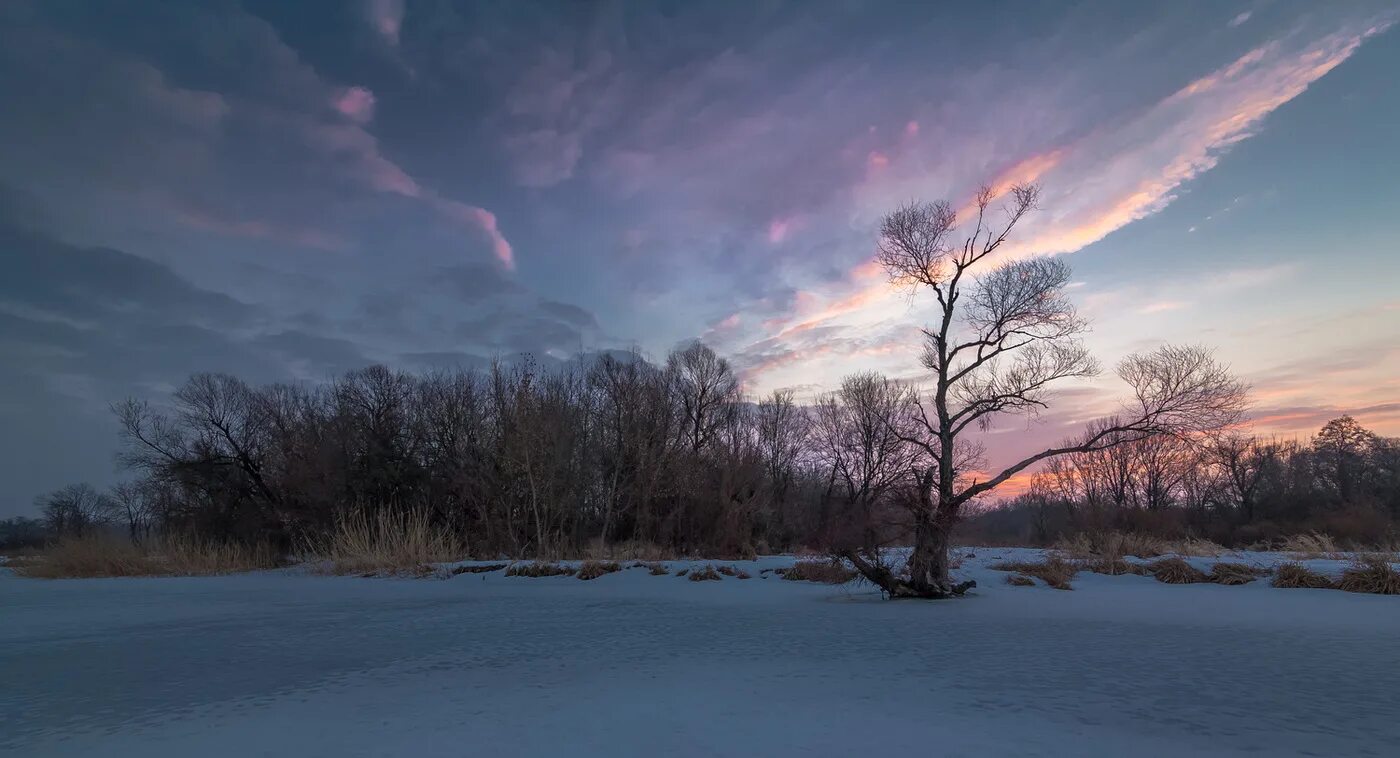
[[523, 462]]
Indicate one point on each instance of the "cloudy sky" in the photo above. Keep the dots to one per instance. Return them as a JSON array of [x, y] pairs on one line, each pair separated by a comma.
[[289, 190]]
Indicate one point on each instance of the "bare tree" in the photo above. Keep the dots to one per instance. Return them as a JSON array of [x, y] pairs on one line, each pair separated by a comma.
[[707, 390], [859, 431], [782, 429], [74, 510], [1000, 341], [1245, 460]]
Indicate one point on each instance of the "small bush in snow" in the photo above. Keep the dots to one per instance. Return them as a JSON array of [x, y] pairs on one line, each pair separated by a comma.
[[1371, 574], [595, 569], [824, 572], [706, 574], [1298, 576], [1020, 580], [655, 569], [1236, 573], [1174, 570]]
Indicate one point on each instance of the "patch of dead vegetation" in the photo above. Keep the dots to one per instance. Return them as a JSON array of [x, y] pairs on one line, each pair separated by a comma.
[[1020, 580], [822, 572], [1113, 544], [1114, 567], [1054, 570], [389, 541], [705, 574], [1231, 574], [593, 569], [1298, 576], [1175, 570], [105, 556], [1371, 574], [538, 569], [484, 568]]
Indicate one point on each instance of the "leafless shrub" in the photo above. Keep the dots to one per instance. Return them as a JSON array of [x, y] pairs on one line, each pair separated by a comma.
[[823, 572], [683, 572], [1236, 573], [1054, 570], [1298, 576], [1371, 574], [595, 569], [1175, 570], [1020, 580], [655, 569], [706, 574], [538, 569]]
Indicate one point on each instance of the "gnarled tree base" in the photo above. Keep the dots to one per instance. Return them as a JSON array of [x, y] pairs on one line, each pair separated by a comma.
[[897, 588]]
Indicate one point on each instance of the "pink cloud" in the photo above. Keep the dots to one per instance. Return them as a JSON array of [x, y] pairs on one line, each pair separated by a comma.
[[877, 160], [778, 230], [483, 221], [356, 104], [386, 16], [1132, 170], [911, 129]]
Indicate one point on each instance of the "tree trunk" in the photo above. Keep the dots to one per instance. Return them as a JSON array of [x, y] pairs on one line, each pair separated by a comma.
[[928, 564]]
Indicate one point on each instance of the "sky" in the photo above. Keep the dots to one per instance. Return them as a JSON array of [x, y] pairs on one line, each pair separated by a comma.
[[286, 191]]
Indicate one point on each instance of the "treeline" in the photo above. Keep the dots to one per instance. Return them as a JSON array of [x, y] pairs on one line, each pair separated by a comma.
[[1234, 489], [523, 462], [514, 460]]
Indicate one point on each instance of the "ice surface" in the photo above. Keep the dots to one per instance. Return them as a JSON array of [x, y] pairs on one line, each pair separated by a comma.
[[283, 663]]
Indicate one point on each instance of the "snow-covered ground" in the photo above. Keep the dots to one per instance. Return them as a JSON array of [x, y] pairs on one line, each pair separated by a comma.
[[284, 663]]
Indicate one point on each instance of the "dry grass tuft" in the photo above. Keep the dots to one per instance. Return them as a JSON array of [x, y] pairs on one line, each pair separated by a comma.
[[1311, 545], [1111, 545], [727, 570], [655, 569], [1054, 571], [595, 569], [1175, 570], [1298, 576], [683, 572], [823, 572], [706, 574], [539, 569], [390, 542], [1371, 574], [104, 556], [1196, 548], [1114, 567], [1020, 580], [1236, 573]]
